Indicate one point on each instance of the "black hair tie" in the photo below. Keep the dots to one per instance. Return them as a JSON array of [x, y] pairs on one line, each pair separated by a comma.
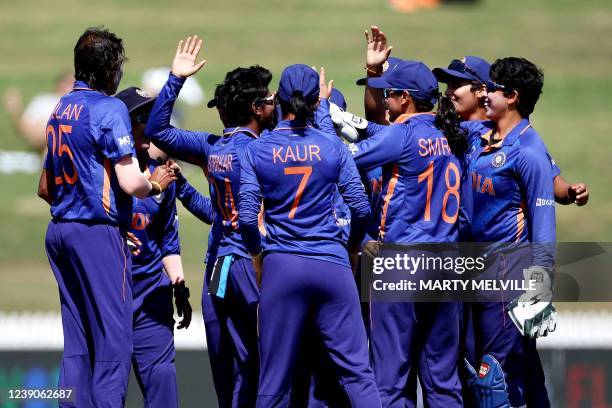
[[297, 92]]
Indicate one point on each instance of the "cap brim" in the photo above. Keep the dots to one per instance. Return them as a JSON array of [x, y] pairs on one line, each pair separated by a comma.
[[378, 82], [445, 75], [142, 103], [212, 103], [361, 81]]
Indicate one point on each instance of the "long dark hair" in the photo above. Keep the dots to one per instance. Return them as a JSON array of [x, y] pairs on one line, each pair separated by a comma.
[[449, 122], [302, 109], [98, 58]]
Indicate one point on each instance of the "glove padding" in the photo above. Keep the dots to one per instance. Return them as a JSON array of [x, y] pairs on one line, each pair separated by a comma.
[[488, 384], [183, 307], [346, 124], [533, 312]]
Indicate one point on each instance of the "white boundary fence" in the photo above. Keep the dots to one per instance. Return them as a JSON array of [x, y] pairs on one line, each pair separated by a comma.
[[43, 331]]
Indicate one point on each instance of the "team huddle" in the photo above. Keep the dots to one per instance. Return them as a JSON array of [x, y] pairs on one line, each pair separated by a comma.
[[299, 190]]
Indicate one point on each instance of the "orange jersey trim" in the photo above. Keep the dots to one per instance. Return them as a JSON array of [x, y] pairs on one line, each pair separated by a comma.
[[106, 202], [387, 199]]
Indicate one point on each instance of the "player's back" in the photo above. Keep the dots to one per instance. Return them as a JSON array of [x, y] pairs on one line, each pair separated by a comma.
[[420, 197], [298, 169], [87, 133]]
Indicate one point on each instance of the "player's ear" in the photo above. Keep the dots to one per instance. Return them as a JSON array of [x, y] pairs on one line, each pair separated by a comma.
[[513, 98]]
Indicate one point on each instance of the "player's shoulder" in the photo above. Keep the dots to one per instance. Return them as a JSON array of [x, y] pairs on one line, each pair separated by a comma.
[[530, 139]]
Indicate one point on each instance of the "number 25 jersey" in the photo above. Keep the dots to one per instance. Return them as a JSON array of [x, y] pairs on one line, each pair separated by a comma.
[[87, 134]]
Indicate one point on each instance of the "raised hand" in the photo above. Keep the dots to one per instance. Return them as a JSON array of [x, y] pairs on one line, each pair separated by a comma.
[[325, 87], [377, 49], [184, 64]]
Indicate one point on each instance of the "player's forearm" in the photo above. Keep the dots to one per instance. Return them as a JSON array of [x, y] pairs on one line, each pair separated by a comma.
[[45, 186], [561, 190], [249, 205], [131, 180], [195, 202], [173, 266]]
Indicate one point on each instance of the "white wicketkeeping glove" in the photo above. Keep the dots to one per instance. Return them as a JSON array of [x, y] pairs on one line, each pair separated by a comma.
[[346, 124], [533, 312]]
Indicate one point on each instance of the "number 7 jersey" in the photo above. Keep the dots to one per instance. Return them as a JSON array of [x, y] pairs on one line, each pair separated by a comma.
[[296, 169], [421, 179], [87, 134]]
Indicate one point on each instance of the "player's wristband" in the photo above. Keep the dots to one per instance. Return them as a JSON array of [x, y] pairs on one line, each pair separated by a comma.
[[372, 72], [155, 188]]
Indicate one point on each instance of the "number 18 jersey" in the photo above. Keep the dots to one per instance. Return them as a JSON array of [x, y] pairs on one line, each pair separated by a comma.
[[87, 134], [421, 180]]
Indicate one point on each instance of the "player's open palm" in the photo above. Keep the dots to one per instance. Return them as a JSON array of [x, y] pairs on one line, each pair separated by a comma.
[[377, 50], [184, 64]]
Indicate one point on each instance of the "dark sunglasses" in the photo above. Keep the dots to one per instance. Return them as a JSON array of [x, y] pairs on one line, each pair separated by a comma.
[[460, 66], [141, 118], [494, 87], [268, 100], [387, 92]]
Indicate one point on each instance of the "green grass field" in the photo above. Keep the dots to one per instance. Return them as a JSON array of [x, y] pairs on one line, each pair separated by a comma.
[[570, 40]]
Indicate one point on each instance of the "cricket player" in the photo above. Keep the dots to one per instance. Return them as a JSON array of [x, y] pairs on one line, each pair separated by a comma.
[[90, 173], [246, 107], [306, 279], [513, 202], [157, 272]]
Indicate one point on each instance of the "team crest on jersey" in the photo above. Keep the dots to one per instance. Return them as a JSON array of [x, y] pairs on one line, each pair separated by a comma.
[[483, 370], [499, 159]]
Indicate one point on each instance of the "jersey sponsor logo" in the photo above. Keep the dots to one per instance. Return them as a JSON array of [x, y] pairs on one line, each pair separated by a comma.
[[485, 187], [434, 147], [220, 163], [483, 370], [499, 159], [297, 153], [125, 141], [542, 202]]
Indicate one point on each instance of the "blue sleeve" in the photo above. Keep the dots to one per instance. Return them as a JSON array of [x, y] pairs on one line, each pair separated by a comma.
[[192, 147], [555, 169], [168, 222], [249, 202], [374, 128], [323, 120], [116, 132], [354, 195], [466, 206], [535, 172], [194, 202], [382, 148]]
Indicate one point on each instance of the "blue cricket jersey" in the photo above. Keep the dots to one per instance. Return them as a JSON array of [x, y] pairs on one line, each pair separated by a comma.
[[87, 134], [155, 223], [296, 169], [219, 157], [421, 179], [512, 185]]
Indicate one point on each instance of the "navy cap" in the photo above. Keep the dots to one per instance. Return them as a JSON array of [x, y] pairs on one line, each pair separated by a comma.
[[468, 68], [299, 79], [390, 63], [134, 98], [413, 76], [337, 98]]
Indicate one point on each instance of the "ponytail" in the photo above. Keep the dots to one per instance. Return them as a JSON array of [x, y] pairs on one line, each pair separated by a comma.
[[298, 106], [449, 122]]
